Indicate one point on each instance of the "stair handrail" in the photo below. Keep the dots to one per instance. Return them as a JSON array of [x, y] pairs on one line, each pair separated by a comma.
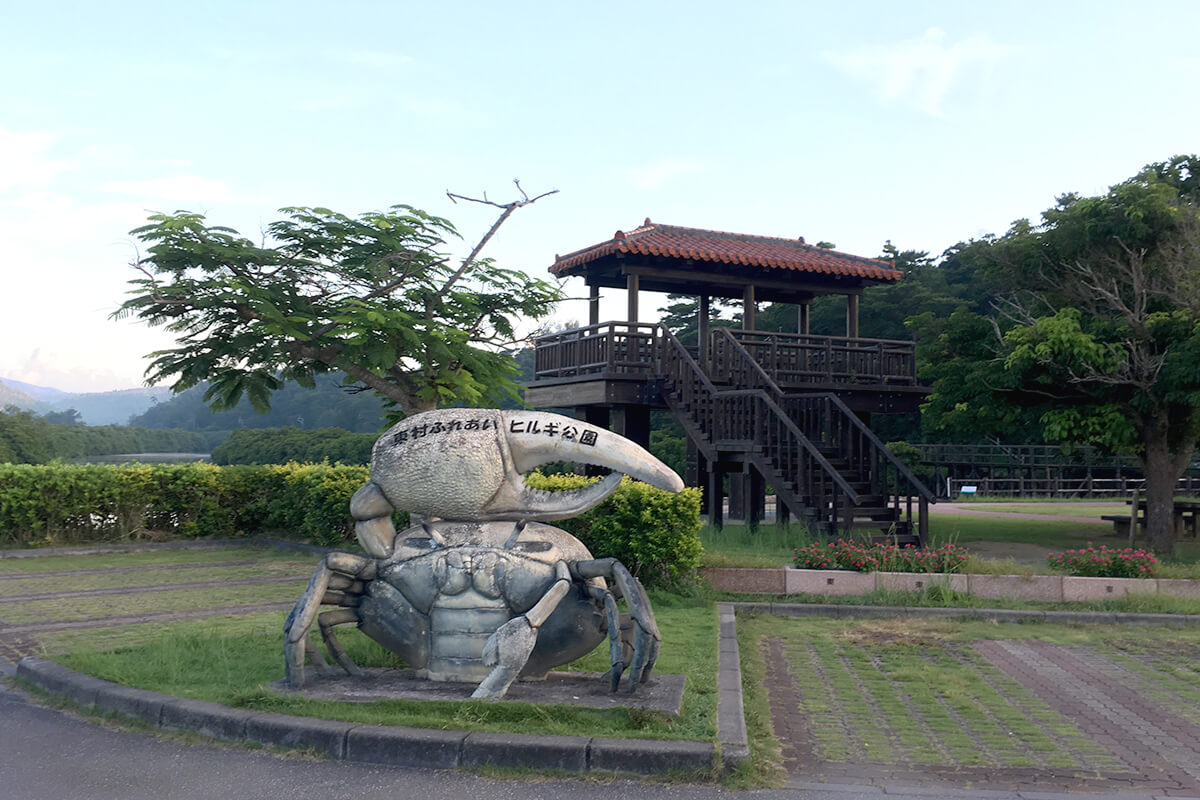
[[876, 442], [811, 449], [770, 385]]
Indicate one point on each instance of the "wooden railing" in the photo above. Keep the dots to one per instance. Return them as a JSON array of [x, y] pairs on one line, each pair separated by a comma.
[[749, 419], [623, 349], [608, 349], [796, 360], [829, 424], [1019, 456]]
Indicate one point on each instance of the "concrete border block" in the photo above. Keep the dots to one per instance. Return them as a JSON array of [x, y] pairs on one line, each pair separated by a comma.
[[567, 753], [137, 703], [1083, 589], [405, 747], [920, 581], [1045, 588], [647, 756], [209, 719], [828, 581], [1178, 587], [51, 677], [281, 730], [1082, 617]]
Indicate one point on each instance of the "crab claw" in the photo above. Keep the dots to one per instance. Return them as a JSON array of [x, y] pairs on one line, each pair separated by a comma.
[[467, 464]]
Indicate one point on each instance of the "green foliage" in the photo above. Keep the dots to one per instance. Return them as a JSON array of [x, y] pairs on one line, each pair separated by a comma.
[[59, 503], [652, 532], [27, 439], [326, 404], [371, 296], [1103, 330], [668, 442], [281, 445]]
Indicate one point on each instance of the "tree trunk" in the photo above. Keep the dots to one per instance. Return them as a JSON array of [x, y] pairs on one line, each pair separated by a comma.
[[1161, 477]]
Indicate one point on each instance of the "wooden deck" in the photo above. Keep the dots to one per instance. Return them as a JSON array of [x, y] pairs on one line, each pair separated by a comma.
[[777, 409], [615, 360]]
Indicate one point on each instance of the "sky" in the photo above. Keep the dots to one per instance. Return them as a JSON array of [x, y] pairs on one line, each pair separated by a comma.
[[926, 123]]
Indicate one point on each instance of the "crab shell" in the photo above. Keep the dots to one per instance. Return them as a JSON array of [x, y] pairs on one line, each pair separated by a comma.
[[468, 464], [449, 585]]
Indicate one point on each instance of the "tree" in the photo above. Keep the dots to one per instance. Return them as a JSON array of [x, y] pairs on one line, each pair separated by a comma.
[[373, 296], [1102, 338], [67, 417]]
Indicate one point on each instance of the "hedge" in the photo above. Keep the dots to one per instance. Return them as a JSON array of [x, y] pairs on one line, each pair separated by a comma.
[[70, 503], [654, 533]]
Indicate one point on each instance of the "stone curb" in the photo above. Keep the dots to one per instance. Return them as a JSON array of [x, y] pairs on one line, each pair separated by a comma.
[[872, 790], [731, 714], [378, 744], [997, 614]]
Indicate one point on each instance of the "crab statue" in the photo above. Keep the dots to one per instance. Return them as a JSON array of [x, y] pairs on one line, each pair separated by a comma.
[[482, 590]]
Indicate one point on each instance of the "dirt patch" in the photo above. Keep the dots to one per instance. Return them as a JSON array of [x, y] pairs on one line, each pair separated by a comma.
[[909, 632]]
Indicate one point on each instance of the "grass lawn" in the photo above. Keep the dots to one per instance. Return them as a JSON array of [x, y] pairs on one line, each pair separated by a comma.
[[769, 546], [1053, 533], [233, 661], [231, 658], [1078, 509], [914, 692]]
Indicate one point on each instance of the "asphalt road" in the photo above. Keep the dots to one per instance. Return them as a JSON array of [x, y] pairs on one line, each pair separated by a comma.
[[50, 755]]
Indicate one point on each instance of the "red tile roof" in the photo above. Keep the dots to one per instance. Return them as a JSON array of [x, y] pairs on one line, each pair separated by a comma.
[[729, 248]]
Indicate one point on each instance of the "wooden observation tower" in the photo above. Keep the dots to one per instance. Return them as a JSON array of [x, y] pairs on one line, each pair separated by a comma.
[[785, 410]]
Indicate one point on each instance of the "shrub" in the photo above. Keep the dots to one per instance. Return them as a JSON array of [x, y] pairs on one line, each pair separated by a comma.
[[880, 557], [1101, 562], [654, 533], [58, 503]]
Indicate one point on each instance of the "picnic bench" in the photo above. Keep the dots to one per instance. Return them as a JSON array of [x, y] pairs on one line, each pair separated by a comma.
[[1185, 513]]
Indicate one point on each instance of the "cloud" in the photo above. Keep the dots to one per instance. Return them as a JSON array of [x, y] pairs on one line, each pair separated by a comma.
[[23, 160], [181, 189], [654, 176], [918, 72]]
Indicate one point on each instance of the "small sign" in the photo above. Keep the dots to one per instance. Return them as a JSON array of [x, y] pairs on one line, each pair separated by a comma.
[[968, 489]]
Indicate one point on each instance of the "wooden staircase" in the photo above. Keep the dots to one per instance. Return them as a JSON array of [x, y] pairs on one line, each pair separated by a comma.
[[825, 465]]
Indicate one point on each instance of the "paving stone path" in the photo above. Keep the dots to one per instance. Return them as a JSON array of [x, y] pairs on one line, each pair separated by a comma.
[[1149, 749]]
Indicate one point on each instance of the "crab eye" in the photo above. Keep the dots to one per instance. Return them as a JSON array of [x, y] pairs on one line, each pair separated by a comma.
[[420, 543], [532, 547]]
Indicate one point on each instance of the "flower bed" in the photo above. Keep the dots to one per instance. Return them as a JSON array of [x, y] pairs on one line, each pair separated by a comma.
[[880, 557], [1102, 562]]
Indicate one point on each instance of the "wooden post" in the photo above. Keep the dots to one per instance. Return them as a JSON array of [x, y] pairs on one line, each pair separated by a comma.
[[1133, 518], [852, 316], [716, 499], [755, 498], [632, 422], [749, 307], [737, 495], [593, 305], [631, 288], [702, 328], [802, 318], [593, 415]]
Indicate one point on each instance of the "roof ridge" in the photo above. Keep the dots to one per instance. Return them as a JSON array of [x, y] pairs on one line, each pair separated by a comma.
[[797, 243]]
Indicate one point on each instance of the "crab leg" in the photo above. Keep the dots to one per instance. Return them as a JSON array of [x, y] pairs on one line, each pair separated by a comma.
[[612, 617], [509, 647], [646, 638], [296, 627], [326, 621]]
